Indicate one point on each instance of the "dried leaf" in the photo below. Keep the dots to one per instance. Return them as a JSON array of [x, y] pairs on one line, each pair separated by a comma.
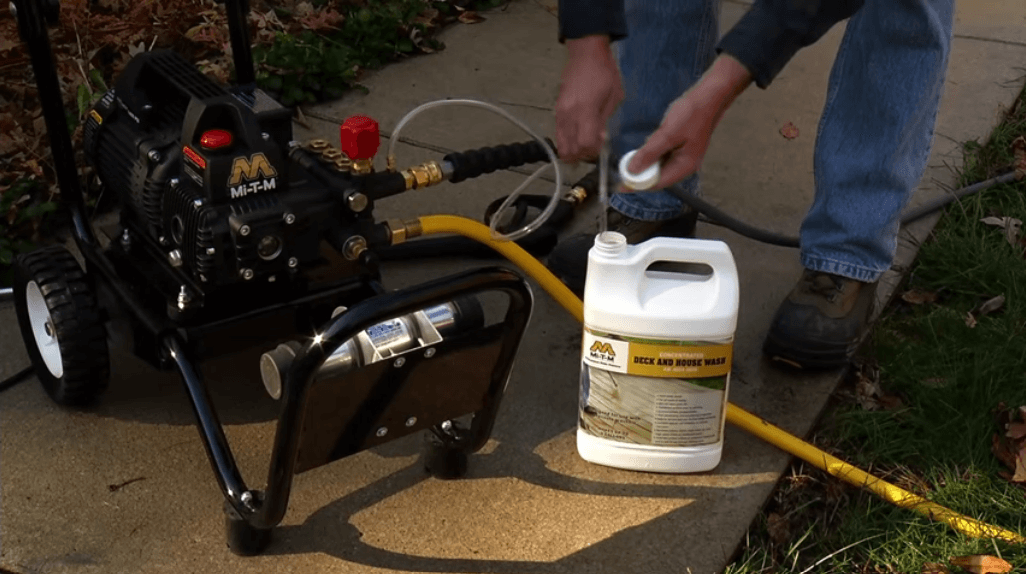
[[891, 403], [868, 391], [789, 131], [778, 529], [970, 320], [981, 564], [919, 296], [934, 568], [1010, 225], [470, 17], [991, 305]]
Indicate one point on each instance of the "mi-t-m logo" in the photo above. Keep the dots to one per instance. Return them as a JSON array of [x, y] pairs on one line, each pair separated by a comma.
[[257, 173], [602, 351]]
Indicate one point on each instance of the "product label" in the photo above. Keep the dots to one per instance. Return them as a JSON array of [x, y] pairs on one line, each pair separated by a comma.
[[661, 393]]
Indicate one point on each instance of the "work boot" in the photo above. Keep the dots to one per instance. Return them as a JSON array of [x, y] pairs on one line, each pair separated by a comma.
[[821, 322], [569, 260]]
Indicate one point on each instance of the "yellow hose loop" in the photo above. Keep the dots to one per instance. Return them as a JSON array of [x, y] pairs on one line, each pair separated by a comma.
[[435, 224]]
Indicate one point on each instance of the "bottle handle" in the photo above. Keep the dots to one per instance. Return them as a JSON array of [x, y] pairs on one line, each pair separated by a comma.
[[710, 252]]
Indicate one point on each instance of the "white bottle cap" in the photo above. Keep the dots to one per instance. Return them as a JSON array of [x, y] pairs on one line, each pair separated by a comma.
[[638, 181]]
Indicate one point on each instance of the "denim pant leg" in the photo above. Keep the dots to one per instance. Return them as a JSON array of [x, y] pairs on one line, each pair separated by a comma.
[[875, 134], [670, 44]]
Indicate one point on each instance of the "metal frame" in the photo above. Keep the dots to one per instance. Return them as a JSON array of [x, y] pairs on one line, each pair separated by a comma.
[[175, 347]]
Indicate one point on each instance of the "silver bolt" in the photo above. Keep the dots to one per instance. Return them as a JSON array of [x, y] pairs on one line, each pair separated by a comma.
[[48, 327], [382, 431], [147, 107], [353, 247], [293, 262], [162, 240], [173, 182], [153, 155], [244, 230], [247, 498], [211, 251], [272, 279], [266, 136], [399, 362], [411, 421], [429, 352], [184, 298], [290, 219], [126, 239], [197, 202], [203, 277], [357, 202], [246, 273], [175, 258], [446, 425]]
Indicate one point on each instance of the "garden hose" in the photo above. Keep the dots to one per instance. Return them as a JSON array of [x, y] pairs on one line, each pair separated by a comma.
[[436, 224]]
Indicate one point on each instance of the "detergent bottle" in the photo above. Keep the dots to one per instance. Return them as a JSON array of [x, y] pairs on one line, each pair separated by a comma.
[[659, 325]]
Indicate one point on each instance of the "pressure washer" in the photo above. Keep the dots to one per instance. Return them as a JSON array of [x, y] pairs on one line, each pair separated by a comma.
[[231, 234]]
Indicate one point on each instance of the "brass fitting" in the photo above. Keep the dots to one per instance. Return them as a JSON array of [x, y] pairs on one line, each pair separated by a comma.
[[427, 174], [354, 247], [331, 155], [577, 194], [390, 163], [400, 231], [342, 164], [362, 166], [318, 145]]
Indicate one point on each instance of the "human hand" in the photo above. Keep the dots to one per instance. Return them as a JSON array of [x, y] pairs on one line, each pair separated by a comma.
[[684, 134], [590, 91]]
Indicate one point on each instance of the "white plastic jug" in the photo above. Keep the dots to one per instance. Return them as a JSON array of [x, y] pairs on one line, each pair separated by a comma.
[[656, 353]]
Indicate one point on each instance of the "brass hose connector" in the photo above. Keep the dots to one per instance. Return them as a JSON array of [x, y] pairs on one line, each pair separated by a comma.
[[576, 195], [390, 162], [427, 174], [400, 231], [362, 166]]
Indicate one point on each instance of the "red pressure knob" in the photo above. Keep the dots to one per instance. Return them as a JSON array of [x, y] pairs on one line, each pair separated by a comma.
[[359, 137]]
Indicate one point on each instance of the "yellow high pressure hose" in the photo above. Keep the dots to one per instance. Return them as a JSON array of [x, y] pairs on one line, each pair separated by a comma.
[[435, 224]]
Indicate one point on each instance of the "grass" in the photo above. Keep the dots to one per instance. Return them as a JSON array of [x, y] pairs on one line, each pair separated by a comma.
[[944, 376]]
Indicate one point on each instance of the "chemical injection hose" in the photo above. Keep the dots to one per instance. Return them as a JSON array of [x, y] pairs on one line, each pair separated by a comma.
[[436, 224]]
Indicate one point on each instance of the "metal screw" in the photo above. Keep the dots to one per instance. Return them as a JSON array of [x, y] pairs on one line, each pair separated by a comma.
[[211, 251], [399, 362], [429, 352], [382, 432], [146, 108], [154, 155], [126, 239], [247, 498], [203, 277], [173, 182], [266, 136], [184, 298], [175, 258], [197, 202], [353, 247], [411, 421], [446, 425], [357, 202], [290, 219], [272, 279], [48, 327], [293, 262], [246, 273], [244, 230]]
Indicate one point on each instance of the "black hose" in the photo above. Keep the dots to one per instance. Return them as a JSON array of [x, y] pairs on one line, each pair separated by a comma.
[[718, 217], [16, 378]]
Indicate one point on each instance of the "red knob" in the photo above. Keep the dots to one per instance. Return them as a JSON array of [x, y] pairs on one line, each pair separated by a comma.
[[359, 137]]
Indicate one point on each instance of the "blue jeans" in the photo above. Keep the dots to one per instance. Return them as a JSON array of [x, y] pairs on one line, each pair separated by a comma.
[[875, 131]]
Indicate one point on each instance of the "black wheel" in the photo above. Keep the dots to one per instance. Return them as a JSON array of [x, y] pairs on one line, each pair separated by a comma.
[[61, 325], [243, 538], [443, 459]]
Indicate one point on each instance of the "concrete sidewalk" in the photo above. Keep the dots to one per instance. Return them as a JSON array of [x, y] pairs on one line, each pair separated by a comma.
[[529, 503]]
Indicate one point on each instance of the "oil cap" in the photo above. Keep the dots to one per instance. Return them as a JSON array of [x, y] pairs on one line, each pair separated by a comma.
[[638, 181], [359, 138]]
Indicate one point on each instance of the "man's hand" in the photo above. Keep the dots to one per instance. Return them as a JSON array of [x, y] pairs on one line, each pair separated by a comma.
[[683, 136], [590, 91]]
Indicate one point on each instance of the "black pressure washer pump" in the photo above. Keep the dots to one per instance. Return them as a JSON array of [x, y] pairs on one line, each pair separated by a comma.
[[230, 232]]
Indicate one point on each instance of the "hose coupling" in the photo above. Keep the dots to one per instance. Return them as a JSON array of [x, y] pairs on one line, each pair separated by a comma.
[[577, 195], [400, 231], [427, 174]]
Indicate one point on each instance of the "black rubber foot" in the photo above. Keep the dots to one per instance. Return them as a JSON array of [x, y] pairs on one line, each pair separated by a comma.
[[443, 460], [243, 538]]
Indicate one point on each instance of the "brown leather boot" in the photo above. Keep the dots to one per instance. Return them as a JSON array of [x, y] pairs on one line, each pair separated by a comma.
[[821, 322]]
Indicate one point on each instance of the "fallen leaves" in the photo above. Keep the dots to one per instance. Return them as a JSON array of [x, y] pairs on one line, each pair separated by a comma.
[[985, 308], [981, 564], [917, 296], [1018, 157], [470, 17], [789, 131], [1008, 445], [1011, 226], [778, 529], [869, 394]]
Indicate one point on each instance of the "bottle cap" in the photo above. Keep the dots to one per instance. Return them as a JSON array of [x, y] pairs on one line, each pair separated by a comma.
[[638, 181]]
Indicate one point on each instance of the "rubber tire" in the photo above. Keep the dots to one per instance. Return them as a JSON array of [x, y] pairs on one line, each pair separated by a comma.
[[76, 322], [243, 538], [442, 460]]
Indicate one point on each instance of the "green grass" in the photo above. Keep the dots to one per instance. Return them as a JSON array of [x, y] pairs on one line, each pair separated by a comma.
[[949, 377]]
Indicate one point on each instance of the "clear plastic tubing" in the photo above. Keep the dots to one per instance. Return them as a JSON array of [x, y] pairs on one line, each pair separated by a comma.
[[554, 163]]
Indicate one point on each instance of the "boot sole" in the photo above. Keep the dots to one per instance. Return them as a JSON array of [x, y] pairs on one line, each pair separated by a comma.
[[823, 359]]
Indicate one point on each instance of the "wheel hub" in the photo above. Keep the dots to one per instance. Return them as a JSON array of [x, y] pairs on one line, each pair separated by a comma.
[[42, 330]]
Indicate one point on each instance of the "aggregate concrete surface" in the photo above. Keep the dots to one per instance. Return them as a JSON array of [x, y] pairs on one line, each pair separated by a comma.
[[529, 503]]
